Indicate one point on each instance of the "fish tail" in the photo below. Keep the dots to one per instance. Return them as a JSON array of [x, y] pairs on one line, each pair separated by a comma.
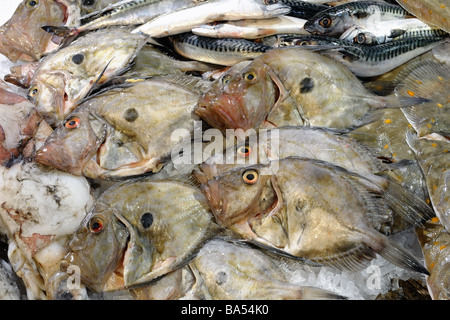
[[311, 293], [408, 205], [60, 31], [399, 101], [402, 258]]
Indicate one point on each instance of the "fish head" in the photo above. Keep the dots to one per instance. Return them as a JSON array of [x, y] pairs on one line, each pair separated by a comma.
[[324, 23], [143, 235], [239, 100], [74, 142], [22, 38], [270, 8], [97, 247], [240, 194]]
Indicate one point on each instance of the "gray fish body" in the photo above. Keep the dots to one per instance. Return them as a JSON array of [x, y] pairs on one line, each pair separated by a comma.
[[335, 20], [229, 271], [217, 51], [132, 225]]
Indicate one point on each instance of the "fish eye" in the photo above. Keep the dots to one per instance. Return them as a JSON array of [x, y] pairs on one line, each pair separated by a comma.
[[360, 38], [32, 3], [250, 76], [78, 58], [72, 123], [226, 79], [250, 176], [300, 43], [244, 151], [33, 91], [268, 2], [325, 22], [96, 225]]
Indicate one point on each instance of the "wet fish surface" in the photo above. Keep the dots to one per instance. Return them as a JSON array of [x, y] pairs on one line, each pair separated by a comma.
[[109, 136], [279, 208], [137, 240], [67, 76]]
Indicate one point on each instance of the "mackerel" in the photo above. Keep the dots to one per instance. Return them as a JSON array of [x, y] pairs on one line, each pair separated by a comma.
[[184, 20], [335, 20], [363, 60], [303, 9], [370, 61], [226, 52], [252, 28], [123, 13], [389, 30]]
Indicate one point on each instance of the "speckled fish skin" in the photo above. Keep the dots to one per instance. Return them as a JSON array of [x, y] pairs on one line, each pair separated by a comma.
[[229, 271], [435, 242], [327, 95], [109, 136], [280, 208], [22, 39], [185, 19], [227, 52], [433, 12], [335, 20], [66, 76], [137, 239]]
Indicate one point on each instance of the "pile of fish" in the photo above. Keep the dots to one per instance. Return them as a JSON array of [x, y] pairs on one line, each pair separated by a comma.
[[214, 149]]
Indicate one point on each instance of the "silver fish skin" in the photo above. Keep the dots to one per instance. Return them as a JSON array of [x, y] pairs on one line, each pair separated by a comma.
[[335, 20], [371, 61], [227, 51], [66, 76], [184, 20], [252, 29], [233, 271], [131, 229], [278, 207], [389, 30], [134, 12]]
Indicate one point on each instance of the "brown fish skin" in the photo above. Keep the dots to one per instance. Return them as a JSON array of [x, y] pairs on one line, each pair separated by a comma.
[[21, 38]]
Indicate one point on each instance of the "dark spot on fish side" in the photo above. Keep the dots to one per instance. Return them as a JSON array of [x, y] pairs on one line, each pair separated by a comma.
[[221, 277], [131, 115], [307, 84], [78, 58], [147, 220]]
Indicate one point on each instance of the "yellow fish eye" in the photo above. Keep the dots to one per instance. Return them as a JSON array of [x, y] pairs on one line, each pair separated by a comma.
[[33, 91], [325, 22], [32, 4], [244, 151], [226, 79], [250, 76], [250, 176], [360, 38], [72, 123]]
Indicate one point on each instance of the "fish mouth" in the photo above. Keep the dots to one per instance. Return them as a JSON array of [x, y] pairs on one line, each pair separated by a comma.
[[222, 112], [59, 157], [206, 174]]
